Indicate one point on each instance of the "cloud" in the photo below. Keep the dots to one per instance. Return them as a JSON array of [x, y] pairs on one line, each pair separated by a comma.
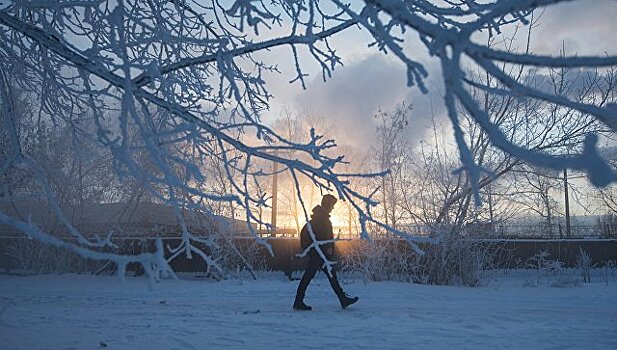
[[358, 91], [373, 81], [585, 27], [355, 94]]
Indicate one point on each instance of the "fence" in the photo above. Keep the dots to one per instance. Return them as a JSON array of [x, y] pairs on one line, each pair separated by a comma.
[[601, 230], [511, 252]]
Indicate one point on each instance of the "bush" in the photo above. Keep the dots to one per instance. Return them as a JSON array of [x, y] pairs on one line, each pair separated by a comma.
[[457, 261], [551, 271], [237, 257], [609, 272], [387, 259], [451, 261], [34, 257], [583, 263]]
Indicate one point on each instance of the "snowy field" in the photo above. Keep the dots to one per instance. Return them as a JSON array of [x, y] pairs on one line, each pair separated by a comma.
[[87, 312]]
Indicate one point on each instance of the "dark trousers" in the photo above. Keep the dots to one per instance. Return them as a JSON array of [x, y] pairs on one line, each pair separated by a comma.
[[315, 263]]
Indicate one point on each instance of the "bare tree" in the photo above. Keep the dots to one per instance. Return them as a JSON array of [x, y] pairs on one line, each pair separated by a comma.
[[608, 196], [185, 74], [536, 125], [391, 153], [536, 194]]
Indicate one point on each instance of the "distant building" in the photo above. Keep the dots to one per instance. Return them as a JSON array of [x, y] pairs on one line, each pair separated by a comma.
[[138, 219]]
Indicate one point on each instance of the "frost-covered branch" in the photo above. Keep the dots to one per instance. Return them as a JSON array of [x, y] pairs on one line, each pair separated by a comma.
[[448, 37], [174, 93], [171, 87]]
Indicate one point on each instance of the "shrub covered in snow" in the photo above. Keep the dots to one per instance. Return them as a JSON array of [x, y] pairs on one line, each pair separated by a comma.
[[35, 257], [380, 260], [584, 264], [451, 261]]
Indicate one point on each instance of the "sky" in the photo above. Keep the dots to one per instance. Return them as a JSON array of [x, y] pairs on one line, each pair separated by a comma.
[[370, 81]]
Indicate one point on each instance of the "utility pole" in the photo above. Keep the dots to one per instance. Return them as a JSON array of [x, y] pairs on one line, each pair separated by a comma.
[[567, 200], [490, 208], [260, 216], [349, 220], [275, 189]]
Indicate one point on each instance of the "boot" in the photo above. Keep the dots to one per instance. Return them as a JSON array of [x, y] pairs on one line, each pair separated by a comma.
[[346, 300], [299, 305]]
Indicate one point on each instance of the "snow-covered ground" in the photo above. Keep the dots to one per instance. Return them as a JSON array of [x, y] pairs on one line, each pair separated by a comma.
[[87, 312]]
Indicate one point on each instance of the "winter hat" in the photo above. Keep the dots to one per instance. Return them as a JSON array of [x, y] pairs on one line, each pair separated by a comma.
[[328, 201]]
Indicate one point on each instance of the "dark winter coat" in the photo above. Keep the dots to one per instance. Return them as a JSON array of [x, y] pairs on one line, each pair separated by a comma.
[[322, 228]]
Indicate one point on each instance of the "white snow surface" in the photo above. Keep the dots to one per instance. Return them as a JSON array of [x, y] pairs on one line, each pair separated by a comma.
[[94, 312]]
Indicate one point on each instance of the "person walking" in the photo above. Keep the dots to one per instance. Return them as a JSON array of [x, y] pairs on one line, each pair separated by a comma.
[[322, 229]]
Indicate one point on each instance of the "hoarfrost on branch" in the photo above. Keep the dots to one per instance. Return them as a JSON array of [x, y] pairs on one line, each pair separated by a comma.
[[182, 81]]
